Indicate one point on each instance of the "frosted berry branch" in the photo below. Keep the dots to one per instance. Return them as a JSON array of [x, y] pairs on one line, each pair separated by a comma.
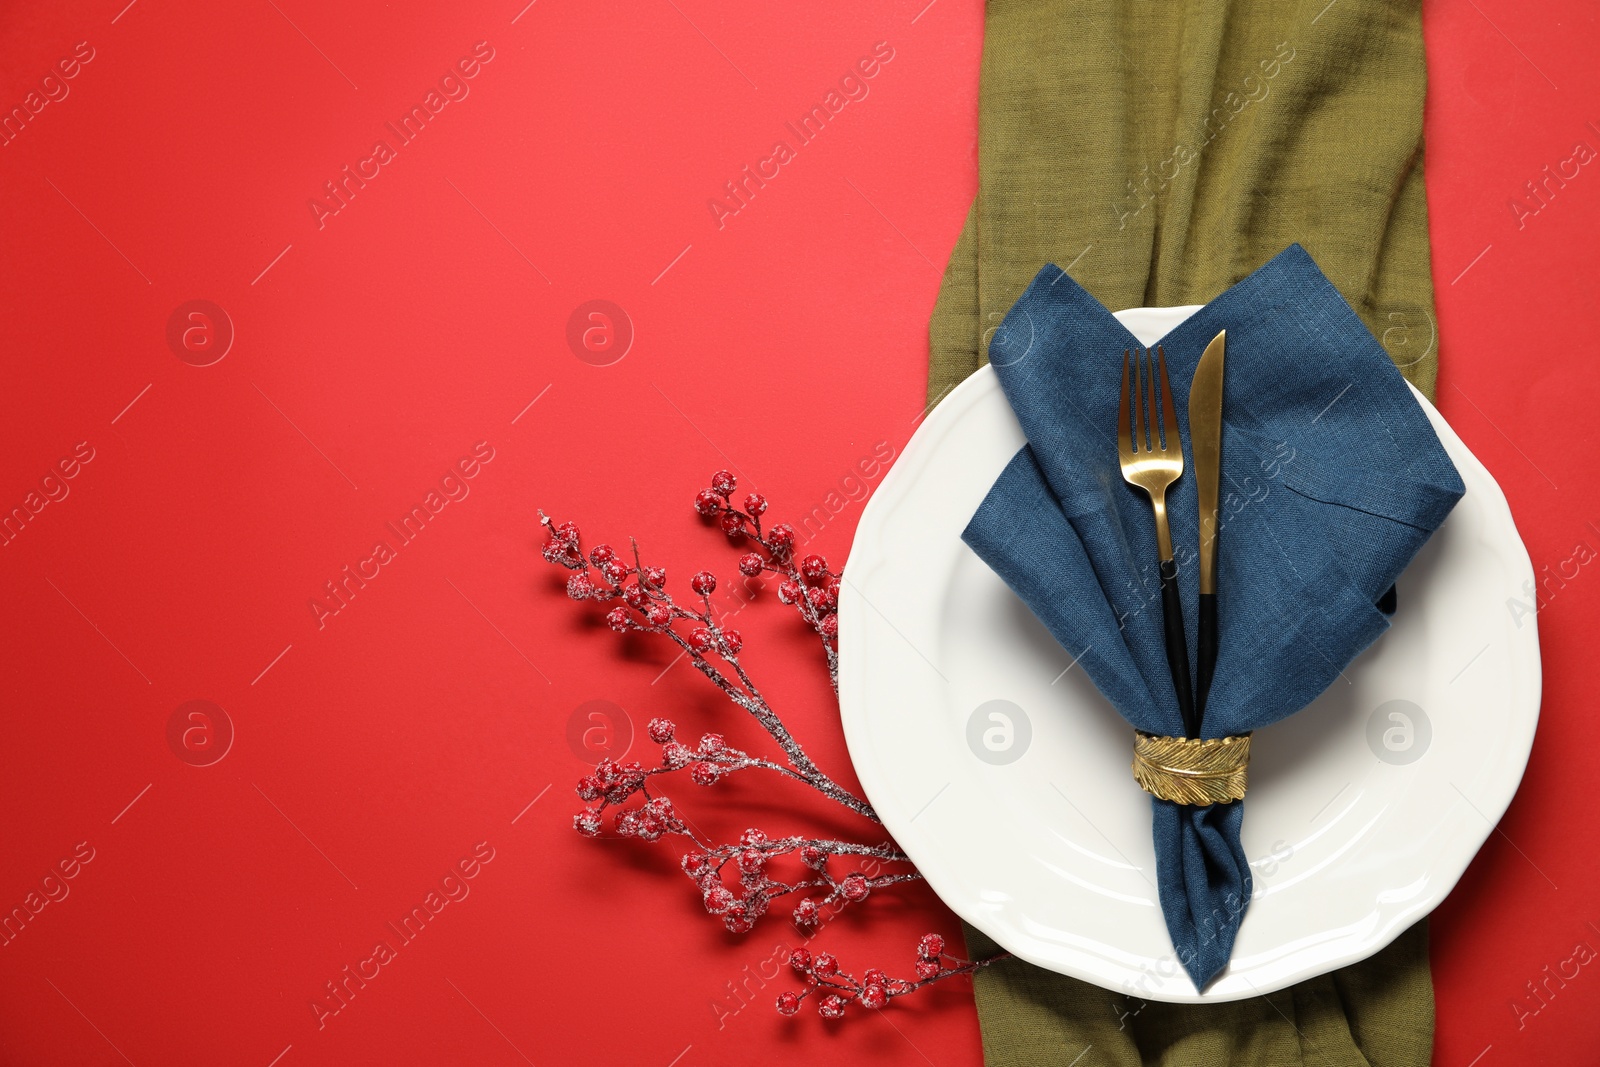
[[739, 881], [807, 584], [835, 988]]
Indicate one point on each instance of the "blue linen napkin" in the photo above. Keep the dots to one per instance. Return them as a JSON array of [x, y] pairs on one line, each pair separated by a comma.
[[1332, 479]]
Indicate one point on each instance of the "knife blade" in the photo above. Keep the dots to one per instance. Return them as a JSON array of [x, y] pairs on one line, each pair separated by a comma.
[[1205, 441]]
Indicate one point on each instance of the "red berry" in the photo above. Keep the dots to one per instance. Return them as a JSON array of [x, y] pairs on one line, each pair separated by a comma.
[[716, 897], [874, 997], [753, 836], [813, 857], [559, 552], [566, 532], [704, 773], [662, 810], [830, 627], [712, 745], [833, 587], [704, 583], [789, 591], [587, 822], [781, 539], [737, 919], [707, 503], [800, 959], [831, 1006], [600, 555], [700, 639], [824, 964], [733, 524], [788, 1003], [723, 483], [874, 976], [855, 888], [636, 595], [658, 615], [755, 504], [751, 565], [931, 947], [732, 642], [927, 968], [814, 568], [751, 860], [655, 577], [580, 587], [618, 619], [675, 756], [631, 772], [695, 864], [614, 571], [589, 788], [820, 600], [661, 730], [806, 913]]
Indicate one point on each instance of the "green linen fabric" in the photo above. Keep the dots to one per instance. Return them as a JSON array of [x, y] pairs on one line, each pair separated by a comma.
[[1378, 1012], [1159, 151]]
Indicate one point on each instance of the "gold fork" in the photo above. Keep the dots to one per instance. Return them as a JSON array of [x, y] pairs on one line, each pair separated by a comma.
[[1152, 459]]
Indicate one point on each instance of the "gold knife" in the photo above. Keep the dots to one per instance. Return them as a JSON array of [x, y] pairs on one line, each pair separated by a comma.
[[1205, 441]]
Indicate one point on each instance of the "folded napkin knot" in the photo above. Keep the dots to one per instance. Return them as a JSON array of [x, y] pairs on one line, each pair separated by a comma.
[[1190, 770]]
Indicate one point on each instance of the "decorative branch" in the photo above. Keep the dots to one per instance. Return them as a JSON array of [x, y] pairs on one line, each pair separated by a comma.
[[835, 988], [643, 605]]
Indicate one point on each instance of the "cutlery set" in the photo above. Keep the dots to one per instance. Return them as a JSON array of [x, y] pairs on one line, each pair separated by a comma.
[[1151, 454]]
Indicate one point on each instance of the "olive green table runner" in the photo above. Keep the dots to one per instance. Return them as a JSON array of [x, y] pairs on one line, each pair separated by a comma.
[[1159, 151]]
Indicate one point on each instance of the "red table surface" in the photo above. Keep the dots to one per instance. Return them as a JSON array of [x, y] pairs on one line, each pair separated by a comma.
[[425, 722]]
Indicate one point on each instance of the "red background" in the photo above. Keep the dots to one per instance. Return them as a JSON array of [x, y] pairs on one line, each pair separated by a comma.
[[373, 352]]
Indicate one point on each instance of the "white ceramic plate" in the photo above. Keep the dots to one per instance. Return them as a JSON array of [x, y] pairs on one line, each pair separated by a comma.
[[1005, 776]]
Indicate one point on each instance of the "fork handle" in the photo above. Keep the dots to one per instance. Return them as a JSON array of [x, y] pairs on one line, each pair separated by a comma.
[[1177, 648]]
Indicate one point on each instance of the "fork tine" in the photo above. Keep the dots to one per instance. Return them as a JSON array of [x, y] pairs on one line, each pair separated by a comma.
[[1138, 400], [1124, 431], [1169, 420], [1153, 413], [1139, 424]]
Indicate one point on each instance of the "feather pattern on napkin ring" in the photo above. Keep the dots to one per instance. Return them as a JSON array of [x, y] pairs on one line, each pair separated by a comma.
[[1192, 771]]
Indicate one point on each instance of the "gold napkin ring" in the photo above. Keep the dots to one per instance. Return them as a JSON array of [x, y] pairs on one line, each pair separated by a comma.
[[1197, 772]]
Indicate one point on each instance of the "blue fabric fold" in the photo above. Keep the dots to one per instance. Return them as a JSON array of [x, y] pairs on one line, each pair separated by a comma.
[[1332, 479]]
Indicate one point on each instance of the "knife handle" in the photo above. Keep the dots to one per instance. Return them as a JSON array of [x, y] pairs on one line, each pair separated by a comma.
[[1177, 647], [1206, 654]]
